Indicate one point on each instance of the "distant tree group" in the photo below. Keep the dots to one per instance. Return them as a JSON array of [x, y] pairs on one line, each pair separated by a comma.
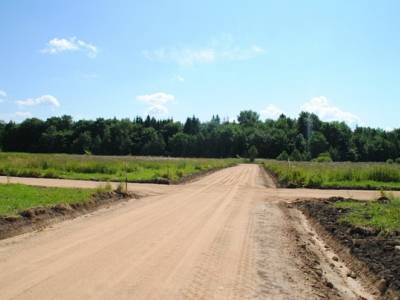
[[304, 138]]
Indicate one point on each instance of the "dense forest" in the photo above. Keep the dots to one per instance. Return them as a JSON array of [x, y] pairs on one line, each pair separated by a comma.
[[304, 138]]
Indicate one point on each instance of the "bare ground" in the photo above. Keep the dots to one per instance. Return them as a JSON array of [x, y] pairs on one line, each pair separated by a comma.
[[225, 236]]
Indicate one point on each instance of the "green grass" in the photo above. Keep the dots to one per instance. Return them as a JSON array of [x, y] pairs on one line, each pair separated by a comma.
[[385, 217], [15, 198], [336, 175], [105, 168]]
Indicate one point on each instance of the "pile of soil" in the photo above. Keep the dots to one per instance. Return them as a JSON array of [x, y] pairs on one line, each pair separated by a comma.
[[40, 217], [378, 252]]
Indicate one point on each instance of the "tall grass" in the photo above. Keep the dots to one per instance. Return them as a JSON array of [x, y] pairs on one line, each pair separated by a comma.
[[336, 175], [107, 168]]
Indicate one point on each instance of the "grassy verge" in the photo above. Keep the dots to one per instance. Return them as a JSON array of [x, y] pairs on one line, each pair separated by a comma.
[[15, 198], [106, 168], [382, 216], [336, 175]]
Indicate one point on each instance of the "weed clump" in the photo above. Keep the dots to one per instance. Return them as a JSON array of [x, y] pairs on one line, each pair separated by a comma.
[[122, 188], [104, 188]]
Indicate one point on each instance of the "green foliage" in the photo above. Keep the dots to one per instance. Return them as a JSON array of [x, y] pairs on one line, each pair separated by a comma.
[[15, 198], [382, 216], [248, 118], [336, 175], [296, 155], [307, 135], [104, 168], [318, 144], [284, 156], [323, 157], [253, 152], [390, 161]]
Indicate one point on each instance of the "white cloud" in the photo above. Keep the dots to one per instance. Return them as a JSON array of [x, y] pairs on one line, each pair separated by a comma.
[[157, 102], [57, 45], [3, 94], [45, 99], [271, 112], [183, 56], [22, 114], [218, 50], [328, 112], [319, 106]]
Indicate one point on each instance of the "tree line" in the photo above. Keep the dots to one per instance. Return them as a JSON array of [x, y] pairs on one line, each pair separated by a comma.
[[302, 138]]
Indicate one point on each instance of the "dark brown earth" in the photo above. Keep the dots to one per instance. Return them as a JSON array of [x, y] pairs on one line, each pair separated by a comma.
[[375, 250]]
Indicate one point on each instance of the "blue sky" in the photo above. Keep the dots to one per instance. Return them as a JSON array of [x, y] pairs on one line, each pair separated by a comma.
[[93, 58]]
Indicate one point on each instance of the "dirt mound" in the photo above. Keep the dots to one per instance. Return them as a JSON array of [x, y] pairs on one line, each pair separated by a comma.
[[380, 253], [40, 217]]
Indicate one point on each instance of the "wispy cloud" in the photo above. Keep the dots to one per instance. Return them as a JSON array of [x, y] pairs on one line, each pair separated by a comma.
[[329, 112], [42, 100], [223, 49], [157, 102], [72, 44], [22, 114], [3, 94], [271, 112], [15, 116]]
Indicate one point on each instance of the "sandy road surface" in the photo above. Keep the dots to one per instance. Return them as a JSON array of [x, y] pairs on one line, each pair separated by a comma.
[[225, 236], [264, 186]]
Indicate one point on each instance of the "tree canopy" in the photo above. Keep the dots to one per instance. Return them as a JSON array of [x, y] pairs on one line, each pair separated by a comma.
[[302, 138]]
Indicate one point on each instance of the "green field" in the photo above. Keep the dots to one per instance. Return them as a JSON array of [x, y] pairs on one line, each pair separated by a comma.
[[15, 198], [384, 217], [336, 175], [106, 168]]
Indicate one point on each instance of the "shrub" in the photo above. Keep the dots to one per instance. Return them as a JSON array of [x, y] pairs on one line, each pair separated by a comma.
[[283, 156], [253, 152], [323, 157], [296, 155], [390, 161]]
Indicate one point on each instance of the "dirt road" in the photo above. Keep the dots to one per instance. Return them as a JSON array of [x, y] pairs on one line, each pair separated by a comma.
[[225, 236]]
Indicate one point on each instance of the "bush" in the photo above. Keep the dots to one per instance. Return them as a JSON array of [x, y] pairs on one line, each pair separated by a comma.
[[296, 155], [390, 161], [323, 157], [397, 160], [253, 152], [283, 156]]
